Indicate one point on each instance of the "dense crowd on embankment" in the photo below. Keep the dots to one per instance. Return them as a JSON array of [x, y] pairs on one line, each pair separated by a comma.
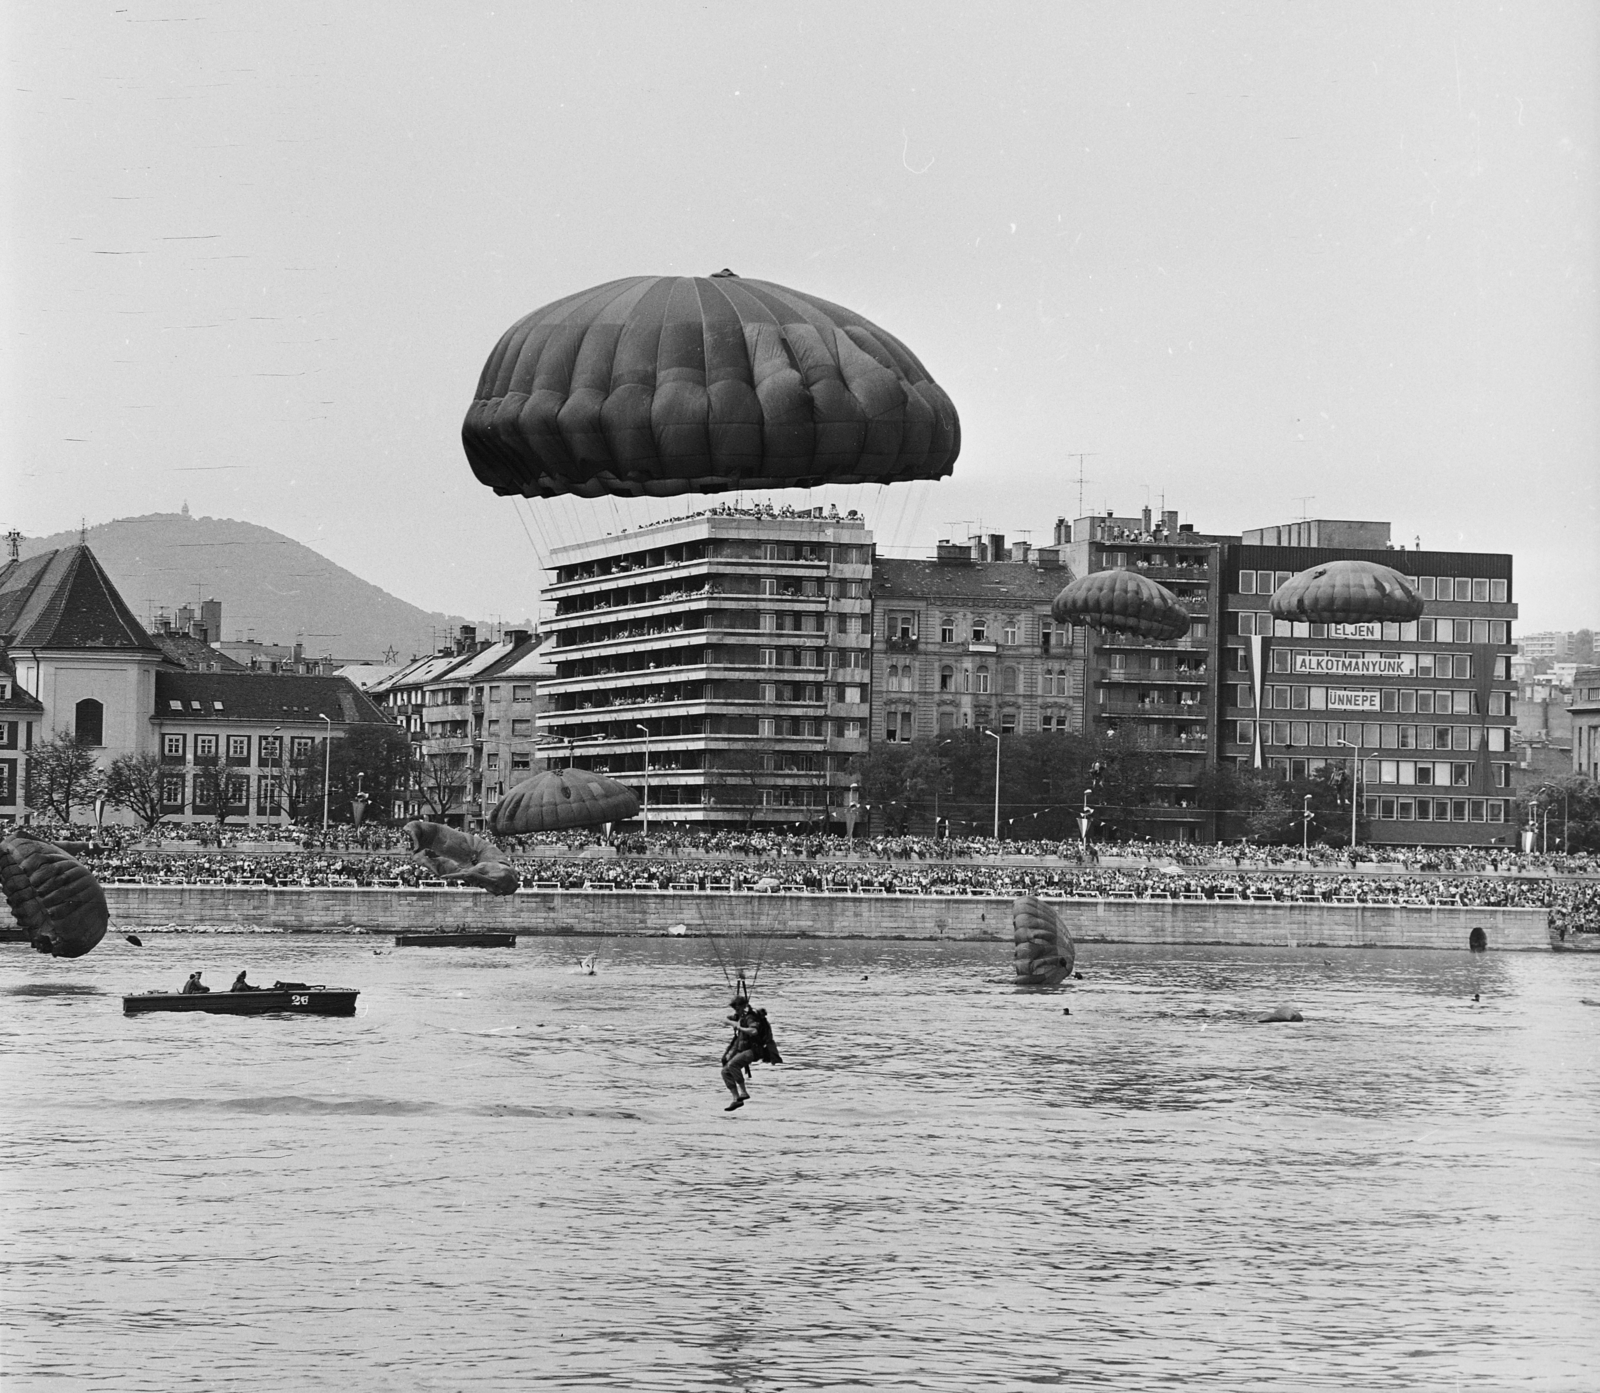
[[799, 865]]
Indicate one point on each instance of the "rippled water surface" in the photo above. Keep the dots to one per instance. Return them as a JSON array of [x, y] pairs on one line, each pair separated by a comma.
[[505, 1174]]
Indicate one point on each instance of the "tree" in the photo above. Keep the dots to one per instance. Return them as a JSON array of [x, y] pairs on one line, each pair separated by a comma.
[[62, 774], [213, 786], [134, 782], [439, 779], [1574, 809], [374, 760], [900, 780], [742, 774]]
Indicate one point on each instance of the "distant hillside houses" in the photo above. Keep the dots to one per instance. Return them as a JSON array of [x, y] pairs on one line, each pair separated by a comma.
[[220, 743]]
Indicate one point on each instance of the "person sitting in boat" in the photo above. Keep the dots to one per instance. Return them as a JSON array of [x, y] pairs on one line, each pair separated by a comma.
[[194, 986], [240, 985], [742, 1051]]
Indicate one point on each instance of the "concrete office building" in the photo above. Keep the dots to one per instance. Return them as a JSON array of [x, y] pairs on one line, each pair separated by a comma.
[[1427, 706]]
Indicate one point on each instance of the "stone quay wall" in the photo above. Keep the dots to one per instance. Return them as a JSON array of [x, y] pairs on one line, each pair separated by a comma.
[[1272, 924]]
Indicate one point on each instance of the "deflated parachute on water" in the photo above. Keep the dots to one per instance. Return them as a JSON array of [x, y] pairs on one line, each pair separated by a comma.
[[662, 385], [461, 856], [1347, 592], [1044, 951], [53, 895], [1123, 602], [555, 799]]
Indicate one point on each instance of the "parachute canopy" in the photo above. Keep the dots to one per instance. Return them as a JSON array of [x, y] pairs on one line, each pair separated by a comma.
[[1347, 592], [53, 895], [555, 799], [1044, 951], [461, 856], [1123, 602], [662, 385]]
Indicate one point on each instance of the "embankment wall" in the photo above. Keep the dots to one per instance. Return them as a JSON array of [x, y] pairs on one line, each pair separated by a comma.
[[1275, 924]]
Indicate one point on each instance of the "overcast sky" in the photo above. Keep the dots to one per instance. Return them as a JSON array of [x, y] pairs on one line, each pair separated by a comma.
[[1257, 260]]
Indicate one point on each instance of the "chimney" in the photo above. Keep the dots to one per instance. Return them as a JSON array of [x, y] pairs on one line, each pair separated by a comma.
[[1019, 552], [517, 637], [997, 546], [1170, 517], [1063, 534], [1144, 519], [299, 653], [467, 639]]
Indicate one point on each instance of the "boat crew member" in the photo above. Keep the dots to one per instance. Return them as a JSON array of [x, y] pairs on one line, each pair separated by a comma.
[[240, 985], [194, 987], [743, 1049]]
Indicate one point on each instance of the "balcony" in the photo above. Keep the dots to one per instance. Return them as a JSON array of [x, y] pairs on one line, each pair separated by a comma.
[[1158, 710], [902, 645]]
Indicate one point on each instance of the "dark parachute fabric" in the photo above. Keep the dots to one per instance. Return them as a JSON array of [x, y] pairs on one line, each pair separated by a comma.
[[1044, 951], [1347, 592], [461, 856], [662, 385], [53, 895], [555, 799], [1123, 602]]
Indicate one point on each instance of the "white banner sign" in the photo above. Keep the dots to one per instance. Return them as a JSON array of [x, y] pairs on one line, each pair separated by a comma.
[[1355, 631], [1337, 665], [1348, 700]]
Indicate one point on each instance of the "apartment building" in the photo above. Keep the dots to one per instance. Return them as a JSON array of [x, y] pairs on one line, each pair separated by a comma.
[[727, 652]]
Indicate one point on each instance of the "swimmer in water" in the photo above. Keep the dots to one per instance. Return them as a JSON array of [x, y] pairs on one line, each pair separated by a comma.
[[587, 964]]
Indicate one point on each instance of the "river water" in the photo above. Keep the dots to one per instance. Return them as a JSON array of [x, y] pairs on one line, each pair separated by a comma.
[[504, 1173]]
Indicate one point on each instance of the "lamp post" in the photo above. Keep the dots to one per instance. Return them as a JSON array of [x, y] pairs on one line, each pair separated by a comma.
[[1566, 808], [327, 769], [1355, 784], [996, 783], [283, 773], [1305, 830], [1083, 821], [646, 730]]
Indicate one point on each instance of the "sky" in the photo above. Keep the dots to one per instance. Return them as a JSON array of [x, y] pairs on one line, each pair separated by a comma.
[[1251, 261]]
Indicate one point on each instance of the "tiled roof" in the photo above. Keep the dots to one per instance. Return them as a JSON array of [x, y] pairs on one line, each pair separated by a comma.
[[64, 599], [185, 650], [991, 583], [19, 703], [261, 696]]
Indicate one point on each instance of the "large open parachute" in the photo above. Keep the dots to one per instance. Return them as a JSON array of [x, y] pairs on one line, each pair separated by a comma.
[[1043, 950], [53, 895], [461, 856], [556, 799], [1347, 592], [1122, 602], [661, 385]]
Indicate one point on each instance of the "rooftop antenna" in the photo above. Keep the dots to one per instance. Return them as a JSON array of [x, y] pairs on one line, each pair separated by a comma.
[[83, 531], [1302, 499], [1081, 481], [14, 542]]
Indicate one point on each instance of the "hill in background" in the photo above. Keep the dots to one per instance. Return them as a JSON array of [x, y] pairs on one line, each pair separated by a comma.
[[272, 588]]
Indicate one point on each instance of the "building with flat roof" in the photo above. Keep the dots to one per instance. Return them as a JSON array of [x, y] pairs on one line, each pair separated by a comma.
[[727, 653], [1428, 706], [1585, 716]]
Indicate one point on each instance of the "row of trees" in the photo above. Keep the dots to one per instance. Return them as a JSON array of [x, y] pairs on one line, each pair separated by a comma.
[[64, 779]]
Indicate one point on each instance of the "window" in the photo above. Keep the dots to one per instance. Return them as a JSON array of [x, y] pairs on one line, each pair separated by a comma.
[[238, 790], [520, 761], [1480, 592], [521, 729], [1463, 590], [852, 730], [1247, 623], [88, 722], [205, 746], [172, 746], [1008, 723], [1246, 732], [947, 678], [983, 679], [852, 696], [1497, 592], [1424, 586], [980, 630], [1264, 585], [1008, 680], [1247, 582], [947, 631], [299, 747], [271, 749], [172, 791], [494, 728], [1009, 633], [893, 678], [494, 694], [239, 747]]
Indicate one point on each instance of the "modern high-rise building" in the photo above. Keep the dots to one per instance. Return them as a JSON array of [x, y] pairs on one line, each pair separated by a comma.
[[723, 658], [1425, 707]]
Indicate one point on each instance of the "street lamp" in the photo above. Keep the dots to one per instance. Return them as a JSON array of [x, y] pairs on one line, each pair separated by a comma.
[[646, 730], [1566, 808], [1084, 819], [1355, 784], [283, 773], [996, 783], [327, 769], [1305, 830]]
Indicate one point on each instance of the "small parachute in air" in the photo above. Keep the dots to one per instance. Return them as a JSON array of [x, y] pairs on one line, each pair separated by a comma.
[[555, 799], [461, 856], [53, 895], [1122, 602], [1347, 592], [653, 386], [1044, 951]]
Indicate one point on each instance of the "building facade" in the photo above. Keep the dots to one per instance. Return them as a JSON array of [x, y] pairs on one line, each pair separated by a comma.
[[1426, 708], [728, 652], [1585, 714]]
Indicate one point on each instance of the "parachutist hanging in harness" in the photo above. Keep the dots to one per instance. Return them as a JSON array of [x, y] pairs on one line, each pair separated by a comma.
[[752, 1043]]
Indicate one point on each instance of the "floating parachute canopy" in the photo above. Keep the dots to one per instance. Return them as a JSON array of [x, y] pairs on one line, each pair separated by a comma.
[[555, 799], [461, 856], [1123, 602], [1044, 951], [53, 895], [662, 385], [1347, 592]]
